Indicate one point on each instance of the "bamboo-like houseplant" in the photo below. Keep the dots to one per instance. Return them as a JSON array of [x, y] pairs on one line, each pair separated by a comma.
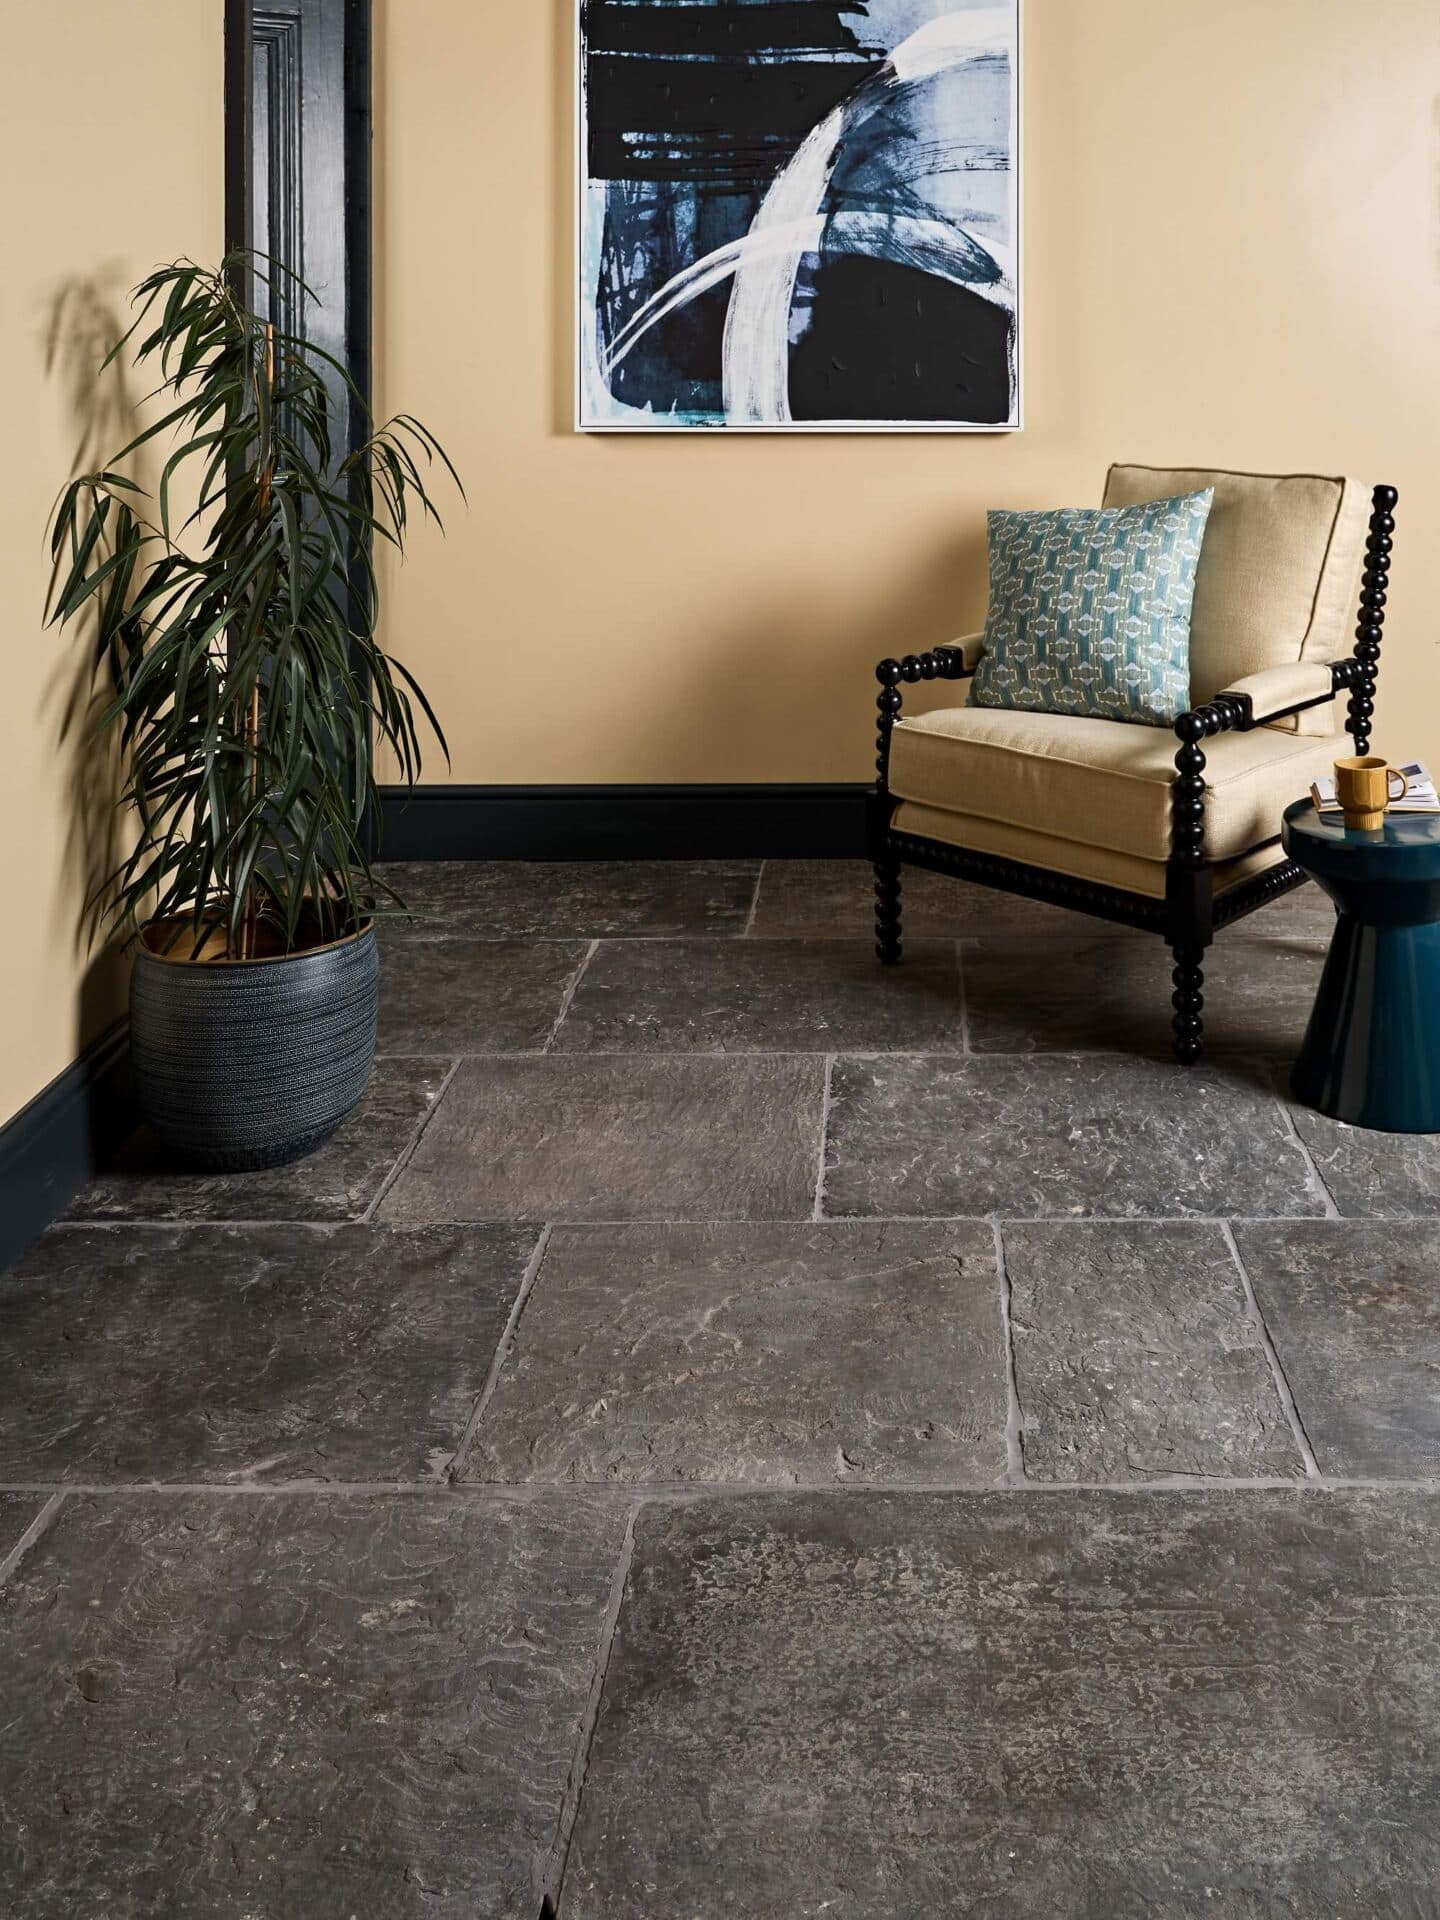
[[237, 661]]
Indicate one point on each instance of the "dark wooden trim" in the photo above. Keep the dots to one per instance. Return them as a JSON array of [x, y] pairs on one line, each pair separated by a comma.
[[1035, 883], [624, 822], [359, 201], [280, 109], [239, 109], [53, 1147], [360, 283], [1375, 584], [1258, 891]]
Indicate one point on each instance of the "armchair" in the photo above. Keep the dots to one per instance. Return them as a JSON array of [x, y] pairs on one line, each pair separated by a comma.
[[1115, 819]]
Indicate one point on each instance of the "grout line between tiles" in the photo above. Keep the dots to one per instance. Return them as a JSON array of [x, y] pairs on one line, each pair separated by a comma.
[[748, 932], [519, 1492], [1014, 1449], [569, 994], [408, 1152], [559, 1861], [1315, 1178], [1272, 1354], [31, 1534], [817, 1211], [1117, 1054], [158, 1223], [503, 1349]]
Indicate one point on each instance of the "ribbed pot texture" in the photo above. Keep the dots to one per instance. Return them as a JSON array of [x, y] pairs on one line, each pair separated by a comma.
[[252, 1063]]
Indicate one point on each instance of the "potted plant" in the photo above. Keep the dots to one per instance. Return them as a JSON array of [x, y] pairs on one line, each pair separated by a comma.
[[236, 659]]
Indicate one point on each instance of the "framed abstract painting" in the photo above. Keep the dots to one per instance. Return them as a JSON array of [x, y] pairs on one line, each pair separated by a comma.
[[799, 216]]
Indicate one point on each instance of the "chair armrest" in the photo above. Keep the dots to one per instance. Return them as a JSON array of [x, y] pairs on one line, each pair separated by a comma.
[[957, 661], [1275, 692], [965, 655]]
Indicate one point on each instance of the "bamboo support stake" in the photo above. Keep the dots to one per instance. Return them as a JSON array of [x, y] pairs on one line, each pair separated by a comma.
[[251, 928]]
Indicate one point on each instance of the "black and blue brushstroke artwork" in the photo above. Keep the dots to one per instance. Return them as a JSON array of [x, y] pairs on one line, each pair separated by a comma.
[[799, 213]]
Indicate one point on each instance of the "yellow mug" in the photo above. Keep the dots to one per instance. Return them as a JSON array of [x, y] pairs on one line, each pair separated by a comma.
[[1363, 785]]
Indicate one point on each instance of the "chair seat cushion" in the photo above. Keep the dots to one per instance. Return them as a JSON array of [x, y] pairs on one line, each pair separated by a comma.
[[1099, 782], [1090, 610], [1099, 865]]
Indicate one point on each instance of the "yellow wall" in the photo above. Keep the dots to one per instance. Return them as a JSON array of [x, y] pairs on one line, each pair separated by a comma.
[[1232, 259], [110, 154]]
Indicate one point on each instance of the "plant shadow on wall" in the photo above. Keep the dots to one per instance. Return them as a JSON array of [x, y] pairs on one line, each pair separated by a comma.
[[82, 319], [230, 623]]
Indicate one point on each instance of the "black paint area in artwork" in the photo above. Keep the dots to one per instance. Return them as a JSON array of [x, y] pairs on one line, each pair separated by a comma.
[[729, 122], [888, 342], [730, 29]]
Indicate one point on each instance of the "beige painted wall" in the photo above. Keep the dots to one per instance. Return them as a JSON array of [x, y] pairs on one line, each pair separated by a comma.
[[110, 151], [1232, 258]]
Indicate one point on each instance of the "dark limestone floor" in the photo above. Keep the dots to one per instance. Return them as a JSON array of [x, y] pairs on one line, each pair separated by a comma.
[[727, 1430]]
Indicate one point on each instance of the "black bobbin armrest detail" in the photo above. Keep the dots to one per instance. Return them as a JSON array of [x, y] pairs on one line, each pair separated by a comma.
[[941, 663]]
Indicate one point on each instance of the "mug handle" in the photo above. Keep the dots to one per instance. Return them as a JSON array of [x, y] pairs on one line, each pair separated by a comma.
[[1394, 773]]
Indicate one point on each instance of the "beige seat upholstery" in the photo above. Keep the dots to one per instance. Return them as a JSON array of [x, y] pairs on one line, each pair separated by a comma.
[[1100, 865], [1099, 781], [1275, 597]]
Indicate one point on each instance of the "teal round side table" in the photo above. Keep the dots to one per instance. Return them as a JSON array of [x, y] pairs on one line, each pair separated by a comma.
[[1372, 1048]]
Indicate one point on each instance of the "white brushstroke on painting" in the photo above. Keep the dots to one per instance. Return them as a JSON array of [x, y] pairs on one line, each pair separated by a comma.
[[946, 251], [756, 356], [757, 326], [705, 273]]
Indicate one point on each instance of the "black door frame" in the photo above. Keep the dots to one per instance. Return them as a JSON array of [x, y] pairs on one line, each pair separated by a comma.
[[308, 50], [249, 23]]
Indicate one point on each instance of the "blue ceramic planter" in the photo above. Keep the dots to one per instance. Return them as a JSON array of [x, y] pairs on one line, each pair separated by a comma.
[[1371, 1054], [250, 1063]]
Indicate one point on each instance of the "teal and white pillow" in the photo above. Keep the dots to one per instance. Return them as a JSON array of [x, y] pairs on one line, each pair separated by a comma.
[[1090, 610]]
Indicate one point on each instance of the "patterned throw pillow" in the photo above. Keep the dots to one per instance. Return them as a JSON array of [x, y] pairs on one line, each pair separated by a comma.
[[1090, 610]]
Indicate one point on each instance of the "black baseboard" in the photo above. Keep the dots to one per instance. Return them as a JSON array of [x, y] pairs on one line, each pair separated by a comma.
[[623, 823], [53, 1147]]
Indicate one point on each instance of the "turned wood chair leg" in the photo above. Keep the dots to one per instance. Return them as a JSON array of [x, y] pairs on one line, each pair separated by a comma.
[[1188, 1000], [887, 910]]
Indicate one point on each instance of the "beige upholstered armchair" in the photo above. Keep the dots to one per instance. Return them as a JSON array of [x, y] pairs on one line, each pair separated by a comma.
[[1177, 833]]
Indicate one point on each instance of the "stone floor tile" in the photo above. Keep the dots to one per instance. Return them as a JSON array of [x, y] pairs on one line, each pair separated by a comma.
[[336, 1182], [769, 1354], [764, 996], [474, 996], [649, 1138], [1374, 1176], [1057, 1134], [1354, 1312], [570, 899], [1305, 913], [835, 900], [1137, 1354], [244, 1705], [221, 1353], [1114, 993], [1135, 1706]]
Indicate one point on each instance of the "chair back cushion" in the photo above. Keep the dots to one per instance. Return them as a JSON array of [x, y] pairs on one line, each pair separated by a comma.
[[1279, 574]]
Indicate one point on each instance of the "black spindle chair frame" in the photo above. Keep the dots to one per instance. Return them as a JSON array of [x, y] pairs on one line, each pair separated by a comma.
[[1191, 911]]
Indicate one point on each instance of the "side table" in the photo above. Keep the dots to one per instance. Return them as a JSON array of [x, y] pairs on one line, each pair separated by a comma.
[[1372, 1049]]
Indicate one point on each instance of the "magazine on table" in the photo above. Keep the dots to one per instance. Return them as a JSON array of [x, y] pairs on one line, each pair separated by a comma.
[[1420, 795]]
